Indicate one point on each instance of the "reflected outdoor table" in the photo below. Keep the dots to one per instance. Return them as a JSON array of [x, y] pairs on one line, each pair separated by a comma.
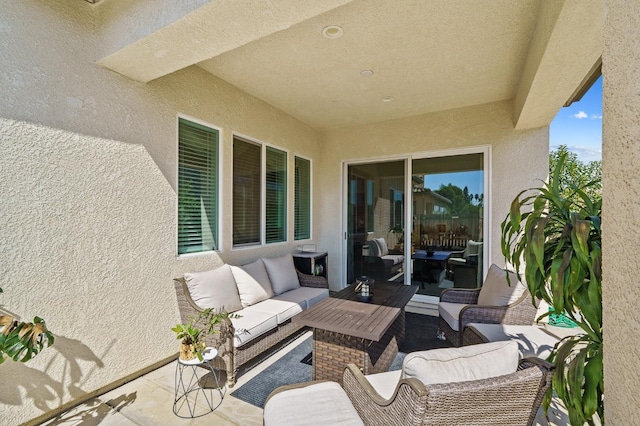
[[438, 258]]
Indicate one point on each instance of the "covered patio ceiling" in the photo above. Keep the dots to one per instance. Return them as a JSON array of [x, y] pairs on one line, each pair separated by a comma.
[[425, 56]]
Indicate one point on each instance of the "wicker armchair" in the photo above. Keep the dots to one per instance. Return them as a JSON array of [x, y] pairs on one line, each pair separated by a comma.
[[229, 357], [464, 302], [512, 399]]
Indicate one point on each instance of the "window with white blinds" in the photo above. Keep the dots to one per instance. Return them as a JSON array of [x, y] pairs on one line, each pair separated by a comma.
[[247, 158], [276, 196], [197, 187], [302, 199], [259, 195]]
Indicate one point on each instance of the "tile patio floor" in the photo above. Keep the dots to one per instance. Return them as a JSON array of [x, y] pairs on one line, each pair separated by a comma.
[[148, 401]]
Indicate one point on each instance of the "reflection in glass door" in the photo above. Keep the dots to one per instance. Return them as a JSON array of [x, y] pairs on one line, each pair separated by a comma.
[[447, 233], [375, 221]]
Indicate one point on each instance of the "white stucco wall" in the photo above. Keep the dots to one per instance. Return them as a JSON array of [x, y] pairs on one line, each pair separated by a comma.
[[621, 212], [519, 159], [87, 183]]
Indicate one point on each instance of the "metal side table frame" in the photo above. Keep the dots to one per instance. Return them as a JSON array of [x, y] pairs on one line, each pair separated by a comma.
[[195, 386]]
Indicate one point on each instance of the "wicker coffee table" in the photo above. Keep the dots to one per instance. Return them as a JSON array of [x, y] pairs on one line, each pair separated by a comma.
[[365, 334]]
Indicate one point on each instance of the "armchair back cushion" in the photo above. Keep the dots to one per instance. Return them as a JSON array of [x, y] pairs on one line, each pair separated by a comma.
[[462, 364], [497, 291], [282, 273], [382, 245], [214, 289], [250, 290], [472, 249]]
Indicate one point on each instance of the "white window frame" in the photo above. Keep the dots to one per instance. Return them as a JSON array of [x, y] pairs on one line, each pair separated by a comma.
[[293, 232], [263, 193], [219, 227]]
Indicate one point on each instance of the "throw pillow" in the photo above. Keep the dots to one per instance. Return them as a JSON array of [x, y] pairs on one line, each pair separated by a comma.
[[249, 289], [214, 289], [497, 291], [473, 362], [282, 273], [259, 273]]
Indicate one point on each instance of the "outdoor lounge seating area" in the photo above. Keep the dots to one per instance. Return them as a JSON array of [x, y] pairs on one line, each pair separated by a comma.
[[147, 400], [264, 295], [162, 158]]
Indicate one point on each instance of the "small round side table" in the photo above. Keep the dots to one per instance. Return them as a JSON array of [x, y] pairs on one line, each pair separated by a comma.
[[195, 378]]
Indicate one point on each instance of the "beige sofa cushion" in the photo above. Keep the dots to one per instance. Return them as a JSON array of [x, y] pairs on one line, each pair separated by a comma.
[[249, 289], [305, 296], [282, 273], [259, 273], [281, 309], [462, 364], [214, 289], [497, 291], [319, 404], [251, 324]]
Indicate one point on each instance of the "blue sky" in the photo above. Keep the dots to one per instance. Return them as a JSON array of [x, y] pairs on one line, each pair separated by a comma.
[[579, 126]]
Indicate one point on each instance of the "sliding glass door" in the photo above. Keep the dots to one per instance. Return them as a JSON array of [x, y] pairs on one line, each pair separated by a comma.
[[376, 211], [447, 233]]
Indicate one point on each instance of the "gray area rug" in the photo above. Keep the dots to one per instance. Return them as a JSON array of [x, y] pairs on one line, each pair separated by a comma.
[[420, 331]]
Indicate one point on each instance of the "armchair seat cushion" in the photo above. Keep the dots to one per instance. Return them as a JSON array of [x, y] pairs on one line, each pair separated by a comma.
[[532, 340], [318, 404], [450, 312], [452, 365], [396, 259]]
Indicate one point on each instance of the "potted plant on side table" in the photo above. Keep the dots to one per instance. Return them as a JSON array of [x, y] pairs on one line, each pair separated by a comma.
[[193, 334]]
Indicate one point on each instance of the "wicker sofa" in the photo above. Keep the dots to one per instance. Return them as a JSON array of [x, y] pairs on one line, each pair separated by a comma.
[[264, 294], [480, 385]]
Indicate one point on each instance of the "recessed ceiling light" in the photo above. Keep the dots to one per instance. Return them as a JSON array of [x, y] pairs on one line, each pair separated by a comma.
[[332, 31], [366, 73], [387, 99]]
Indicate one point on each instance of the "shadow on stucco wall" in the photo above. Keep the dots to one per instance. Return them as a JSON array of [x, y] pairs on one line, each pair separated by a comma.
[[22, 382]]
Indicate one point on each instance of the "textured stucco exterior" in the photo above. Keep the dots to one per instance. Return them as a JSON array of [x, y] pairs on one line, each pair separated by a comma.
[[88, 179], [621, 215], [87, 182], [519, 158]]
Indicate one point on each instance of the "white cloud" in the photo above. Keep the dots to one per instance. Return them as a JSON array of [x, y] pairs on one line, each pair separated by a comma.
[[595, 116], [580, 115], [584, 153]]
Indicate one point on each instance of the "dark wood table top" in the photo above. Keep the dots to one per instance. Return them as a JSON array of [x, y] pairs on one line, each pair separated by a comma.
[[341, 313], [384, 293]]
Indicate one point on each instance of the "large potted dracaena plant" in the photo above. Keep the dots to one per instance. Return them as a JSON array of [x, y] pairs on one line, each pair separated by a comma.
[[552, 236], [21, 341]]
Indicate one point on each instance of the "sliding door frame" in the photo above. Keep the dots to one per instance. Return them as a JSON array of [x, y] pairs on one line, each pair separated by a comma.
[[408, 206]]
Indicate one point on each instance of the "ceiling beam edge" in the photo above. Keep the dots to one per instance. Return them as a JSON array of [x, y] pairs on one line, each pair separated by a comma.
[[209, 31], [567, 42]]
